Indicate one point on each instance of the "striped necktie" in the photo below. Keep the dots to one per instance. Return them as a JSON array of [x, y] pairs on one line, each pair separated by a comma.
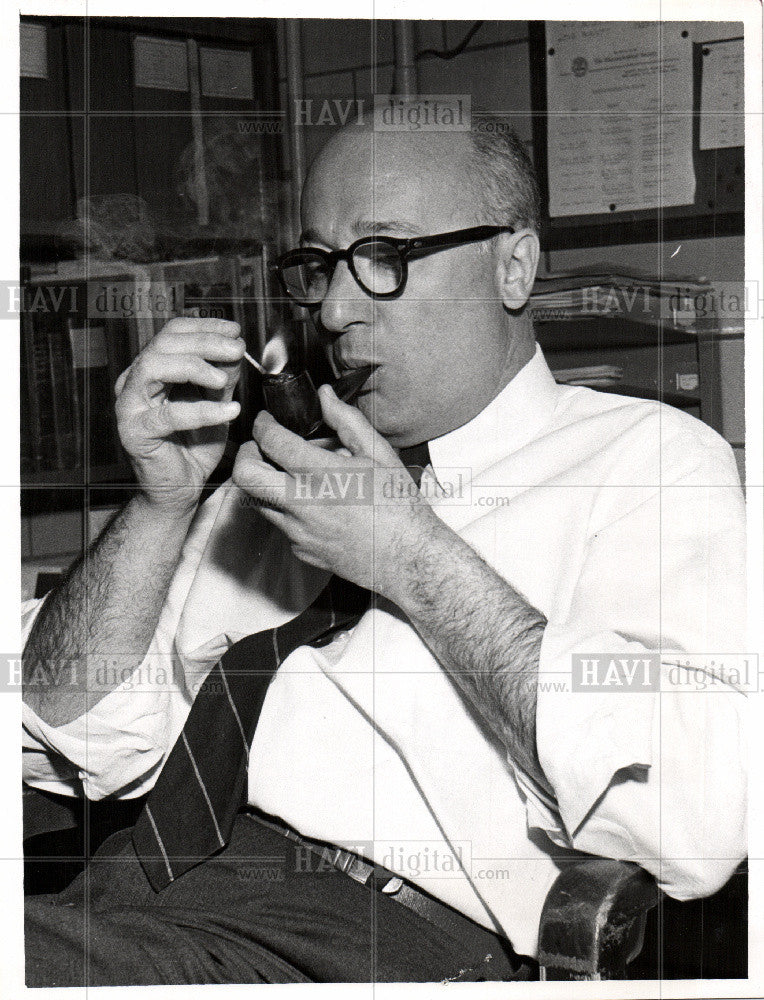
[[190, 812]]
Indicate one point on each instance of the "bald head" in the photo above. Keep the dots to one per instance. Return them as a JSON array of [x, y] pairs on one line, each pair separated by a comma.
[[410, 167], [487, 166]]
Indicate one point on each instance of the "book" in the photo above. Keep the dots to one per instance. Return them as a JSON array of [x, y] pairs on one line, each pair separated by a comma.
[[90, 366], [29, 416], [69, 366], [43, 427], [65, 398], [564, 280]]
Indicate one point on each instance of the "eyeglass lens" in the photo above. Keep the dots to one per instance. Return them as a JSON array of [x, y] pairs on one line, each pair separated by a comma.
[[307, 278], [377, 266]]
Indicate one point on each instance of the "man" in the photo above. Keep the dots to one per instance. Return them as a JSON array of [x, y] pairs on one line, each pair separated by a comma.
[[559, 522]]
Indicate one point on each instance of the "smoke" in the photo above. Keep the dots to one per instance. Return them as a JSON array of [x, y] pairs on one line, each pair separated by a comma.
[[226, 192], [235, 194], [113, 227]]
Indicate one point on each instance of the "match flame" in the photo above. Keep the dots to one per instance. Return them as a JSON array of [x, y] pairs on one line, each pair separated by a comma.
[[275, 355]]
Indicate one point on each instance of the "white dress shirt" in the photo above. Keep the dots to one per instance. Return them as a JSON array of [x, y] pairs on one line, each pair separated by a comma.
[[623, 522]]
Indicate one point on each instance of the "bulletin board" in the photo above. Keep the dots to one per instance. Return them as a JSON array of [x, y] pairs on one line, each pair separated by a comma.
[[718, 205]]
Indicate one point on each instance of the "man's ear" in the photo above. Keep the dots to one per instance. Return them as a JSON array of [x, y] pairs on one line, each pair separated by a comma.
[[517, 261]]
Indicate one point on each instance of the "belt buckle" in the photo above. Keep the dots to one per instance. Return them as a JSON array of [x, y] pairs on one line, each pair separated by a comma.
[[350, 864], [365, 873], [394, 885]]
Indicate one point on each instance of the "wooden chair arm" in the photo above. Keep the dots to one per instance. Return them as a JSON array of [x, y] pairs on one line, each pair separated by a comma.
[[593, 921]]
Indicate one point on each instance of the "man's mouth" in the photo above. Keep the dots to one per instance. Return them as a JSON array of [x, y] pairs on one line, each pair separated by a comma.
[[353, 381], [347, 364]]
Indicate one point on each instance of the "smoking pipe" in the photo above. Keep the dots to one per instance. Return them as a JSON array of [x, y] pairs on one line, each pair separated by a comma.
[[292, 399]]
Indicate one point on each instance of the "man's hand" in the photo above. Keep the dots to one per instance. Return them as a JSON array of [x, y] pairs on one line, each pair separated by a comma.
[[174, 404], [354, 511]]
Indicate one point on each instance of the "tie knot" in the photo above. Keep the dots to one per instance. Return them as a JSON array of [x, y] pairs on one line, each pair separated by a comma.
[[416, 458]]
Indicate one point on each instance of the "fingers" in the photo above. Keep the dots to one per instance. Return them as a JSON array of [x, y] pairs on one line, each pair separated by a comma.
[[289, 527], [304, 555], [268, 486], [353, 429], [206, 343], [161, 421], [161, 369], [357, 436], [205, 353], [191, 324], [283, 447], [258, 478]]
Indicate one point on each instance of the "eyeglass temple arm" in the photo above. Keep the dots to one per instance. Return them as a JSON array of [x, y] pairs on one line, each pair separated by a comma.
[[455, 238]]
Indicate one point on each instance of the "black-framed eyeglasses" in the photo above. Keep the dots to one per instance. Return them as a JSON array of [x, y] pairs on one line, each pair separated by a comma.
[[379, 264]]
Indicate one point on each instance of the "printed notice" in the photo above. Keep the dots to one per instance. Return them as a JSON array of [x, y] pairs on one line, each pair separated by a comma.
[[722, 123], [160, 63], [619, 98], [33, 50], [226, 73]]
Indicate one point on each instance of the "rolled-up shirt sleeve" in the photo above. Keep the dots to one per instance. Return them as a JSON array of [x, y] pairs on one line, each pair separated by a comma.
[[641, 697], [41, 768], [119, 746]]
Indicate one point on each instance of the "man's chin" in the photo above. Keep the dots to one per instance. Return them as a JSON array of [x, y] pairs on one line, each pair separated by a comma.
[[384, 420]]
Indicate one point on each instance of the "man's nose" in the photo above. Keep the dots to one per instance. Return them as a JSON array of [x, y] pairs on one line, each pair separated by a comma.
[[346, 302]]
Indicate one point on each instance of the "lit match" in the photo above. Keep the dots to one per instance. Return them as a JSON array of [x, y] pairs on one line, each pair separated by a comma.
[[255, 364]]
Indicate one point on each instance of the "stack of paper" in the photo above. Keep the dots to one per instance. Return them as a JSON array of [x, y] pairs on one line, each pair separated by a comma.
[[594, 376], [679, 302]]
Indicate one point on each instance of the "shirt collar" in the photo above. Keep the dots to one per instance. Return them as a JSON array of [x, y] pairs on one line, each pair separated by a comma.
[[512, 419]]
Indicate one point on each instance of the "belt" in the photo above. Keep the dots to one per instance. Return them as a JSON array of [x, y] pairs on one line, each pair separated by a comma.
[[496, 953]]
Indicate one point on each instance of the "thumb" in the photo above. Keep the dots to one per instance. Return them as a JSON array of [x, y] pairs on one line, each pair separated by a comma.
[[353, 429]]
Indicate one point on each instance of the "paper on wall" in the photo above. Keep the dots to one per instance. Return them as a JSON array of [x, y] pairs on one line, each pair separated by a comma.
[[33, 50], [160, 63], [722, 123], [619, 97], [226, 73]]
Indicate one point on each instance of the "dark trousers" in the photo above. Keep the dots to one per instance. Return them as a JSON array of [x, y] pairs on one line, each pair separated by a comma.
[[255, 913]]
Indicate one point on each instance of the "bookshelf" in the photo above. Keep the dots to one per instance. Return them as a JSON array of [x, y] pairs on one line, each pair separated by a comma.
[[633, 336], [129, 181], [82, 323], [69, 364], [91, 129]]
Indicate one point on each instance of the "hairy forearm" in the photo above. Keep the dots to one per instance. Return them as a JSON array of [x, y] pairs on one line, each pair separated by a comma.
[[483, 632], [104, 612]]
